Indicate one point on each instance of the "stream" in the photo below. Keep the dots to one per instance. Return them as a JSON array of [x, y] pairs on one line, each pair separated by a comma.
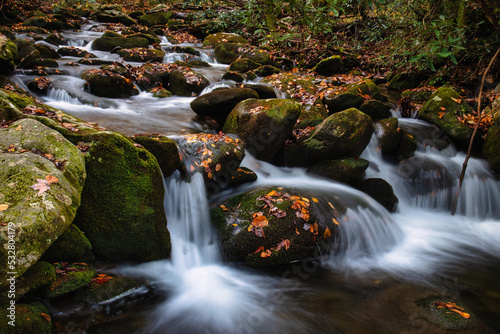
[[389, 260]]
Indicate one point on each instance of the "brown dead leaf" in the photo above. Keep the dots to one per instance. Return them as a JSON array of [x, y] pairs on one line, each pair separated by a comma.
[[4, 207], [452, 307], [51, 179]]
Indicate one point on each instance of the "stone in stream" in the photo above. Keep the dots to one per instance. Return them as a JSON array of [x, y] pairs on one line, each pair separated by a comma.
[[346, 170], [218, 103], [163, 148], [151, 19], [388, 134], [407, 80], [491, 148], [263, 125], [376, 109], [29, 318], [106, 43], [40, 85], [42, 177], [75, 52], [69, 277], [341, 135], [381, 191], [330, 66], [185, 82], [226, 53], [8, 54], [105, 83], [243, 65], [142, 55], [110, 286], [223, 37]]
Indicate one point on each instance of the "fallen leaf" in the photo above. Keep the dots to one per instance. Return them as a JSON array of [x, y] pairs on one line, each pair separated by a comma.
[[218, 167], [271, 193], [46, 316], [260, 221], [335, 221], [327, 233], [315, 200], [41, 185], [51, 179], [4, 207], [266, 253], [452, 307]]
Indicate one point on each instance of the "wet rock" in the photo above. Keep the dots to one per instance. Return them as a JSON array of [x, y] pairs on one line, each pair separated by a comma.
[[219, 103], [163, 148], [491, 149], [407, 80], [343, 101], [365, 88], [55, 39], [243, 65], [8, 54], [417, 95], [49, 22], [160, 92], [381, 191], [234, 76], [153, 75], [376, 109], [122, 210], [69, 278], [343, 170], [155, 18], [263, 125], [120, 18], [141, 31], [330, 66], [241, 176], [40, 85], [264, 91], [29, 318], [272, 226], [142, 55], [33, 154], [127, 42], [443, 108], [217, 157], [312, 115], [75, 52], [223, 37], [184, 82], [407, 145], [388, 134], [226, 53], [267, 70], [24, 48], [105, 83], [341, 135], [111, 287], [71, 246]]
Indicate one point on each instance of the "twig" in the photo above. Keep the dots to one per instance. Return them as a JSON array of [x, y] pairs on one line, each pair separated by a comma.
[[476, 127]]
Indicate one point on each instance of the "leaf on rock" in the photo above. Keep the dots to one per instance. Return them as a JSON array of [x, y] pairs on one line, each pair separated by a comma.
[[327, 233], [41, 185], [51, 179], [46, 316], [259, 220], [266, 253], [4, 207], [452, 307]]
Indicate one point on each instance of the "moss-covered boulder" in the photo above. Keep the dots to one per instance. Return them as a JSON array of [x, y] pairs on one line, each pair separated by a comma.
[[122, 210], [40, 85], [343, 101], [71, 246], [376, 109], [218, 103], [115, 18], [272, 226], [264, 91], [69, 277], [106, 287], [105, 83], [8, 54], [164, 149], [263, 125], [342, 170], [42, 177], [381, 191], [241, 176], [234, 76], [223, 37], [312, 114], [127, 42], [226, 53], [419, 95], [75, 52], [266, 70], [25, 318], [330, 66], [443, 109], [388, 134], [217, 157], [491, 146], [142, 55], [407, 145], [49, 22], [153, 75], [406, 80], [243, 65], [341, 135], [155, 18], [184, 82], [160, 92], [365, 88]]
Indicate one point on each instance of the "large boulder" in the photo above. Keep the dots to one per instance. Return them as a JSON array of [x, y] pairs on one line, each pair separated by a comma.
[[226, 53], [243, 65], [184, 82], [272, 226], [122, 210], [406, 80], [42, 177], [27, 318], [381, 191], [49, 22], [341, 135], [142, 55], [223, 37], [69, 277], [218, 103], [155, 18], [388, 134], [163, 148], [105, 83], [376, 109], [443, 109], [126, 42], [263, 125], [342, 170], [8, 54], [72, 245], [75, 52], [330, 66]]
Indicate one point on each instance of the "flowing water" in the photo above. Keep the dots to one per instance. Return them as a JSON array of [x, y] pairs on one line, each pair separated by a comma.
[[384, 259]]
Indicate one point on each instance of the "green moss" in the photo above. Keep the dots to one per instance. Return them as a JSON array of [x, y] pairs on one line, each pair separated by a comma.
[[142, 55], [215, 39], [329, 66], [97, 292], [243, 65], [29, 318], [71, 281], [72, 245], [109, 43], [366, 87], [164, 149], [153, 19]]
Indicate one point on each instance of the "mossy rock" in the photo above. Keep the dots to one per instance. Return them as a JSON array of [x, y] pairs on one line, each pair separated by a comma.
[[75, 52], [330, 66], [109, 43], [365, 88], [121, 18], [117, 68], [39, 275], [376, 109], [154, 75], [136, 14], [241, 176], [184, 49], [108, 84], [142, 55], [243, 65], [151, 37], [250, 76], [164, 149], [46, 22], [8, 54], [233, 76], [71, 246], [40, 85], [28, 318], [122, 210], [45, 62], [24, 48], [47, 51], [407, 145], [292, 85], [69, 281], [263, 125], [37, 218], [96, 292], [443, 108], [198, 64], [343, 170], [289, 235], [417, 95], [156, 18], [342, 102], [218, 104], [381, 191], [408, 80], [223, 37], [264, 91], [95, 62], [160, 92], [341, 135], [267, 70], [55, 38], [388, 134], [226, 53], [184, 82], [312, 115], [491, 149]]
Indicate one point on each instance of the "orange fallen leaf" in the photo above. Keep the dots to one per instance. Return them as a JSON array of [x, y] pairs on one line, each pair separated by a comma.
[[327, 233], [218, 167], [4, 207], [315, 200], [271, 193], [266, 253], [223, 207], [335, 221], [260, 221], [46, 316], [441, 114], [452, 307], [51, 179], [260, 249]]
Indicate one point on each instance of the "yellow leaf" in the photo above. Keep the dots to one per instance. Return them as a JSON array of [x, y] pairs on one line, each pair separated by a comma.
[[223, 207], [4, 207], [331, 205], [315, 200], [271, 193], [218, 167], [335, 221], [327, 233]]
